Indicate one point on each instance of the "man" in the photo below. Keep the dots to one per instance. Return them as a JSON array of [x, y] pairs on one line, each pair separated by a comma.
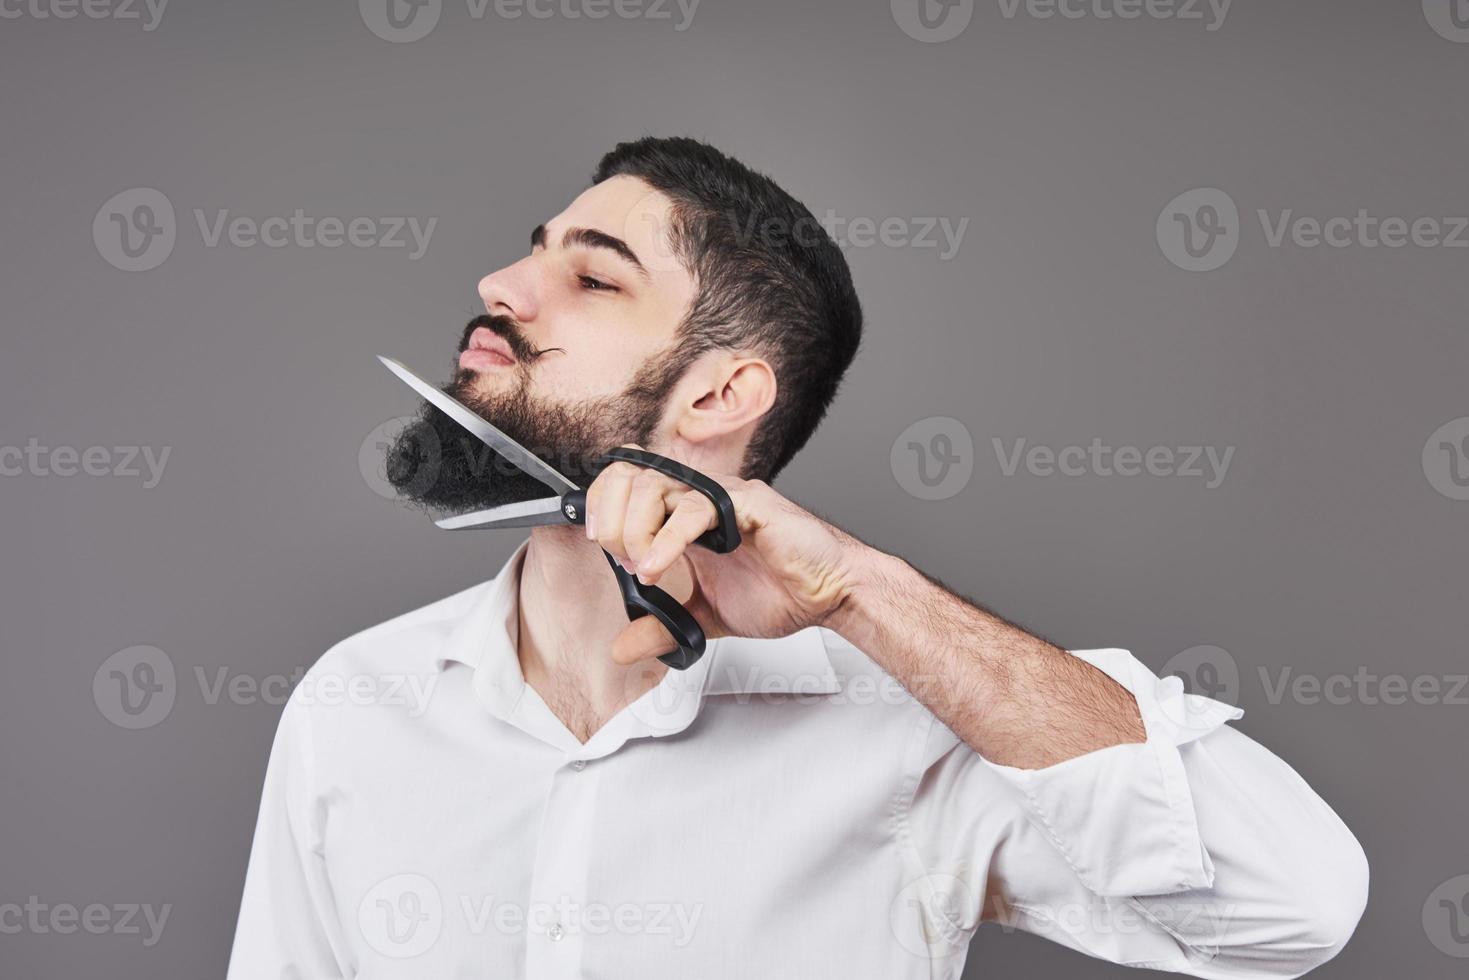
[[862, 769]]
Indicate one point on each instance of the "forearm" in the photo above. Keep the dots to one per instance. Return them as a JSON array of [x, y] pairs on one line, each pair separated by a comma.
[[1014, 698]]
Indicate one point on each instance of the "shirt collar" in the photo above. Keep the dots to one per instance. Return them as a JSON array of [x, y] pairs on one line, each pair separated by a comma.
[[490, 619], [485, 640], [795, 664]]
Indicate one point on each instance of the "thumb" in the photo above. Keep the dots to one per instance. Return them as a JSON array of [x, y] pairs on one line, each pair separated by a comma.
[[643, 639]]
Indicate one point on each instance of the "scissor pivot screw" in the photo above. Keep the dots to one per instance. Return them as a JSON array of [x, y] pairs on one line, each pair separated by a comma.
[[570, 510]]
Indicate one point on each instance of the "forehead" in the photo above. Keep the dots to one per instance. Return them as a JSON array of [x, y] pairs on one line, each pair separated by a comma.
[[633, 211]]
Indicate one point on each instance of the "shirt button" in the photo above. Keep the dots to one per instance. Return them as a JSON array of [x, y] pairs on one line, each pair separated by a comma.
[[555, 933], [579, 765]]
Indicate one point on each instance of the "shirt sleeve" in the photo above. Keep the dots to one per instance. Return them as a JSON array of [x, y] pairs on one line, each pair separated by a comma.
[[1195, 852], [288, 927]]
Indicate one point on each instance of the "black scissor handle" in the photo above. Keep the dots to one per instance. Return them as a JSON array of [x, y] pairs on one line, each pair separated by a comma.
[[725, 536], [648, 600]]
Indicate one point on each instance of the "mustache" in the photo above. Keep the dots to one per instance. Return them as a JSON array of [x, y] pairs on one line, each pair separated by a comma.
[[525, 352]]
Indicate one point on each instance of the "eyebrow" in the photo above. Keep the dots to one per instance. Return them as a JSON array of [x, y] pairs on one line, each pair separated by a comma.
[[592, 238]]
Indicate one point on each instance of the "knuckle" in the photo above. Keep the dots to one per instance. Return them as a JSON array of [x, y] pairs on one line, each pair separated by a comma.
[[647, 479]]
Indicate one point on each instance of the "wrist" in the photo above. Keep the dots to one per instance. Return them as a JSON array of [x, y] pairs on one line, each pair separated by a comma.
[[873, 577]]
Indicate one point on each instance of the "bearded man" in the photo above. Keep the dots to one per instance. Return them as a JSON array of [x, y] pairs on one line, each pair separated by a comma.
[[862, 769]]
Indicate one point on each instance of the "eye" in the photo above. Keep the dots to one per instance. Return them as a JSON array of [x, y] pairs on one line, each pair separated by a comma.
[[595, 285]]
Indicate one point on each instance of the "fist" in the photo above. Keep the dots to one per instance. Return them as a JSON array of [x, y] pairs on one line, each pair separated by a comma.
[[791, 570]]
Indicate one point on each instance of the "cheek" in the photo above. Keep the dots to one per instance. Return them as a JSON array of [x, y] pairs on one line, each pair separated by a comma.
[[589, 369], [596, 364]]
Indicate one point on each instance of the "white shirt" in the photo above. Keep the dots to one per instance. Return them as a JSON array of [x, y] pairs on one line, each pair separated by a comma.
[[781, 809]]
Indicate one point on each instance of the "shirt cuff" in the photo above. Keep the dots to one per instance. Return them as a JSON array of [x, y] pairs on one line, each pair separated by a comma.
[[1123, 817]]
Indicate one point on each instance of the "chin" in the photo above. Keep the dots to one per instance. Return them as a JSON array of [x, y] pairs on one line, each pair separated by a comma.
[[472, 381]]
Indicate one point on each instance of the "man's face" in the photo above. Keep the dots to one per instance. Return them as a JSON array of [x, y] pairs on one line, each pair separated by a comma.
[[574, 354], [598, 288]]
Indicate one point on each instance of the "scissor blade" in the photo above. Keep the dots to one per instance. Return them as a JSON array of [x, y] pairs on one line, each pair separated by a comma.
[[528, 513], [525, 460]]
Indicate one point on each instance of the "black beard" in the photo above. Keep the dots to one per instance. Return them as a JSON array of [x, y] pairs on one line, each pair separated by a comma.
[[435, 464]]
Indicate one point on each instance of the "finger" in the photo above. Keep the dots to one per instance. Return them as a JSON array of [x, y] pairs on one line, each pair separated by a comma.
[[607, 506], [752, 500], [692, 516], [646, 512], [642, 639]]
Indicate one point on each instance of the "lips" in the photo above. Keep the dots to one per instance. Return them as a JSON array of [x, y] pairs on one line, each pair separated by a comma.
[[486, 349]]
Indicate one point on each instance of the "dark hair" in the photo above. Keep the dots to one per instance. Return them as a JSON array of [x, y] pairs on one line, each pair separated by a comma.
[[769, 278]]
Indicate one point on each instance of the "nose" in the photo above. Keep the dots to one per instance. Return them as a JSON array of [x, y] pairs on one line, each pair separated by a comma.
[[513, 291]]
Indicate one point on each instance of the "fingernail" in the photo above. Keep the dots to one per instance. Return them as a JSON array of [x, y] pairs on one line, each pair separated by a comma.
[[627, 566], [591, 528]]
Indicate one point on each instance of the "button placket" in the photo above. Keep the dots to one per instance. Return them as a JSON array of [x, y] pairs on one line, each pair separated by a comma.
[[558, 885]]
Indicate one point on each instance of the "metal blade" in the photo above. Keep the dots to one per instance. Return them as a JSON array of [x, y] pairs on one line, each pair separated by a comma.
[[527, 513], [522, 458]]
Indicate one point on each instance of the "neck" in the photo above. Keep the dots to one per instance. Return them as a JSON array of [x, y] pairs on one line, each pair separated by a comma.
[[570, 611]]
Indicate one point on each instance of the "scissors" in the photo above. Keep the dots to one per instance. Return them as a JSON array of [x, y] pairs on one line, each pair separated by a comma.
[[568, 505]]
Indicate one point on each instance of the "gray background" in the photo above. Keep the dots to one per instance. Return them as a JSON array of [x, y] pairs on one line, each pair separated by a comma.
[[1326, 549]]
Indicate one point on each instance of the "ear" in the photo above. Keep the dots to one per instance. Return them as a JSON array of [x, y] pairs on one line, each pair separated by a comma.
[[724, 395]]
